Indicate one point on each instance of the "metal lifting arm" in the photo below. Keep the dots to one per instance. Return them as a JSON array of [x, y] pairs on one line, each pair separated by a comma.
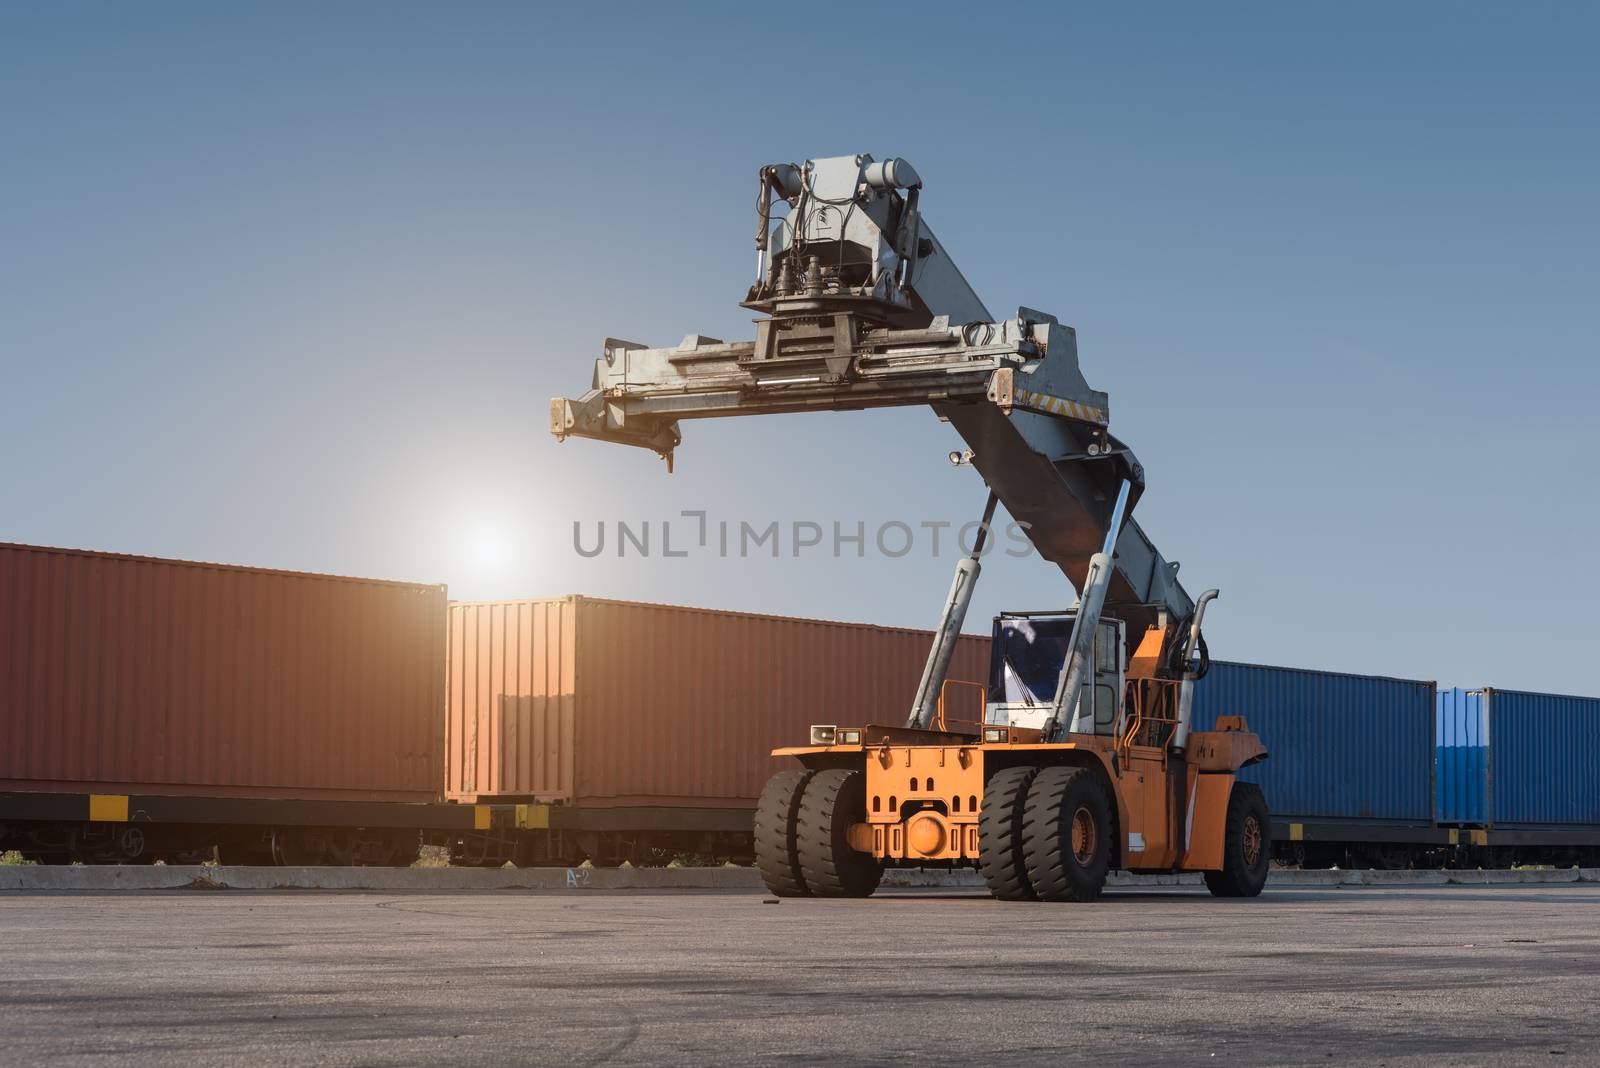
[[1080, 646], [926, 704], [862, 309]]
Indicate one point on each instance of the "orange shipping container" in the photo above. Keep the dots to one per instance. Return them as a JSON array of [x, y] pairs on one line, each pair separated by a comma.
[[615, 703], [125, 674]]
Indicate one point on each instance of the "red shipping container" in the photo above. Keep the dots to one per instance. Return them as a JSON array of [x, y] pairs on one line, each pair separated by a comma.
[[616, 703], [125, 674]]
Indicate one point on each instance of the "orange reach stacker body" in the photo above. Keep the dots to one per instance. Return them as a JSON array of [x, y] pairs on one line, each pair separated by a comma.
[[1039, 820], [1082, 758]]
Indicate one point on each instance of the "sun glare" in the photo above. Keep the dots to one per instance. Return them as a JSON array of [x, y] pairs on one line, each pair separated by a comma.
[[488, 548]]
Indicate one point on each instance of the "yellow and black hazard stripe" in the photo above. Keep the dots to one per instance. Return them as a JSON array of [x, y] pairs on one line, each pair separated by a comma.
[[1044, 402]]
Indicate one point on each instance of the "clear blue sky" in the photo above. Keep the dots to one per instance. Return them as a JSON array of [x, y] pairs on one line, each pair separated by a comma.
[[291, 285]]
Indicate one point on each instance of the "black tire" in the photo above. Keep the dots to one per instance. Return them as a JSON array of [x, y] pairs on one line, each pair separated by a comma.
[[1066, 834], [777, 814], [1001, 856], [1246, 845], [831, 802]]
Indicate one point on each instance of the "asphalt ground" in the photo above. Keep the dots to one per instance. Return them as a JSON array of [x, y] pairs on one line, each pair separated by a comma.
[[1388, 976]]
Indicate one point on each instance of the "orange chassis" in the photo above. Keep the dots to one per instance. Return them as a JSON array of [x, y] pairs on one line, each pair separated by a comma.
[[925, 790]]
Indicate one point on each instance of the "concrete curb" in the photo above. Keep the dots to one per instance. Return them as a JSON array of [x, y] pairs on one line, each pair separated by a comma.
[[1288, 878], [193, 877], [966, 878]]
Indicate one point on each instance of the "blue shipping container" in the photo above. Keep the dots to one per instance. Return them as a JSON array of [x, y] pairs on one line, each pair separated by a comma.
[[1341, 748], [1461, 768], [1543, 769]]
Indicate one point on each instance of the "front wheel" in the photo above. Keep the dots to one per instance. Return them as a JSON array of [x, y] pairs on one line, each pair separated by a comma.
[[1067, 834], [1246, 850], [1002, 855], [832, 802], [777, 816]]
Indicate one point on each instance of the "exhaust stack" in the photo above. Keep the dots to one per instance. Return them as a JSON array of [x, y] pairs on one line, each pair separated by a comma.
[[1180, 733]]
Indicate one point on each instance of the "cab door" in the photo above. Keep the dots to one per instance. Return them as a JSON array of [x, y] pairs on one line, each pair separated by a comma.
[[1102, 691], [1108, 672]]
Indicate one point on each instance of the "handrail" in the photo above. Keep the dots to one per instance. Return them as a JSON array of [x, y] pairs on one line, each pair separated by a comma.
[[1141, 701], [939, 718]]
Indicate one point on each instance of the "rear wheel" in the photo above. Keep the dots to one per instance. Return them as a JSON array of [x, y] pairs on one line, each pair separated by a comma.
[[1001, 855], [1246, 849], [831, 802], [777, 814], [1067, 834]]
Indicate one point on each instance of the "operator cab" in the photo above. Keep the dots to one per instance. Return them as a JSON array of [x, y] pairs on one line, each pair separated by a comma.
[[1027, 657]]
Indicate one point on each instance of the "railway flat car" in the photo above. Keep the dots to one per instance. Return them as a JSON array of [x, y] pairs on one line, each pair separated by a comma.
[[176, 710], [1351, 774], [1516, 775], [1369, 771], [155, 708]]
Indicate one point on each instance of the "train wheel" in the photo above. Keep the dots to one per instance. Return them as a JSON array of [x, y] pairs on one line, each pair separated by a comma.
[[343, 847], [1246, 848], [1067, 834], [291, 848], [132, 847], [484, 851], [831, 802], [1001, 855], [777, 816]]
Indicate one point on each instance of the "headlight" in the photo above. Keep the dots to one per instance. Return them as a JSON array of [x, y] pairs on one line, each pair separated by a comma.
[[990, 734], [823, 734], [850, 737]]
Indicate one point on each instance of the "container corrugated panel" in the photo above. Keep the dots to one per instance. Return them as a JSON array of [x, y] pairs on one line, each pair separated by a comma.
[[126, 674], [1543, 759], [1461, 758], [1353, 748], [513, 692], [620, 703]]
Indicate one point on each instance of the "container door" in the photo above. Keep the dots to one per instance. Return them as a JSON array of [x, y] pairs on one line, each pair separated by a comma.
[[1461, 758]]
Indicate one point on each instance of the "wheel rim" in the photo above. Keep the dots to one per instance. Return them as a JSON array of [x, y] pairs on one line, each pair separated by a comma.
[[1083, 835], [1252, 841]]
